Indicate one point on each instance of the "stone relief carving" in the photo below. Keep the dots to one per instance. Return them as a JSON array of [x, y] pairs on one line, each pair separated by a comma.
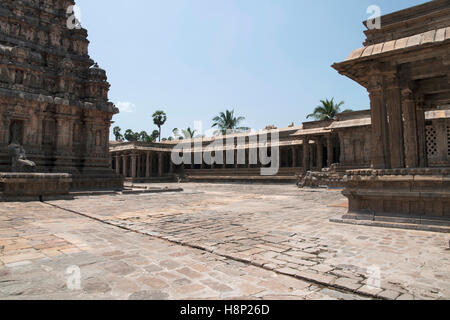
[[19, 161]]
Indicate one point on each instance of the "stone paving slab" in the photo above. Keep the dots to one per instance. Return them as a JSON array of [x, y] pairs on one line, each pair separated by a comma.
[[287, 230], [41, 247]]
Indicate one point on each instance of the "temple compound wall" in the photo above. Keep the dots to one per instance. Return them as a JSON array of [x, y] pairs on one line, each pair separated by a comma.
[[53, 97]]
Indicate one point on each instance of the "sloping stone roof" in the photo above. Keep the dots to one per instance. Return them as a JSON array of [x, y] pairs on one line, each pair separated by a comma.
[[425, 38]]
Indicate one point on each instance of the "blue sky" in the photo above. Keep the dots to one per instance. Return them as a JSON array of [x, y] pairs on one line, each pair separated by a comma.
[[268, 59]]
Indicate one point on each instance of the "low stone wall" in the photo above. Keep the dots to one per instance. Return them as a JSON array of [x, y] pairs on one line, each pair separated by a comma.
[[97, 182], [33, 186], [410, 192]]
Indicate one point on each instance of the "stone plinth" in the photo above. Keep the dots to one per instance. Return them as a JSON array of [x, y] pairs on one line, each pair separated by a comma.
[[34, 186], [97, 182], [399, 192]]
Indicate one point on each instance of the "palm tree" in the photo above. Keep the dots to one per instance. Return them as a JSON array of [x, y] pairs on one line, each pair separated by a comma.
[[189, 133], [328, 110], [159, 119], [227, 122]]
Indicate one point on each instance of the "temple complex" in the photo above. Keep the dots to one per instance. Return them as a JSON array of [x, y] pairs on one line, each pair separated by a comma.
[[53, 97], [328, 147], [405, 67]]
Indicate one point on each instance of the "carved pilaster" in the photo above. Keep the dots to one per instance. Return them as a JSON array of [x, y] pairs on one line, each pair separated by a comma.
[[410, 129], [421, 132], [380, 139], [392, 99], [60, 133]]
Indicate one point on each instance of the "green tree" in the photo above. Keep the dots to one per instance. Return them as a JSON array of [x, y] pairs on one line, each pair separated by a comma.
[[117, 133], [142, 136], [189, 133], [226, 122], [328, 110], [155, 135], [131, 136], [159, 119]]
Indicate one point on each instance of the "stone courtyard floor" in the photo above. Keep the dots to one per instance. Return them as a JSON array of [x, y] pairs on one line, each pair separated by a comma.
[[213, 241]]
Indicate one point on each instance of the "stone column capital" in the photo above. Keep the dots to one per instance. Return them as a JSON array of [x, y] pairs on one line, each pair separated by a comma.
[[375, 84]]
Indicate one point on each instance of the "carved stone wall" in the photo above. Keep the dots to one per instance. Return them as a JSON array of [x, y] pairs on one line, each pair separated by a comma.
[[49, 85], [355, 147]]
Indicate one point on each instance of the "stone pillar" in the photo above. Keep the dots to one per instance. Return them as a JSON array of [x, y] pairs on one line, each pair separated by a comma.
[[306, 154], [160, 164], [133, 165], [319, 154], [147, 165], [394, 112], [410, 129], [138, 166], [124, 165], [294, 157], [171, 169], [421, 133], [380, 143], [330, 151], [117, 162]]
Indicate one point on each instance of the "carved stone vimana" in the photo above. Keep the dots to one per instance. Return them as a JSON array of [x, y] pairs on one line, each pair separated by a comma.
[[53, 95]]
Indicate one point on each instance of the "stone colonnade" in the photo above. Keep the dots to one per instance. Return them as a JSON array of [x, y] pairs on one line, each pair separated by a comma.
[[142, 164], [311, 153]]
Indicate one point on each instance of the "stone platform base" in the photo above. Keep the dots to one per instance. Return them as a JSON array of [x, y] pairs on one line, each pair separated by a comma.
[[414, 197], [242, 179], [396, 222], [168, 178], [91, 182], [34, 186]]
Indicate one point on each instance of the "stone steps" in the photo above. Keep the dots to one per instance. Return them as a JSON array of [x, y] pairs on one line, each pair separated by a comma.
[[397, 222]]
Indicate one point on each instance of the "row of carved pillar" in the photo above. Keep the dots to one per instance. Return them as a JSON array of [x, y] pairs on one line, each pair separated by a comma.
[[398, 125], [143, 164], [148, 164]]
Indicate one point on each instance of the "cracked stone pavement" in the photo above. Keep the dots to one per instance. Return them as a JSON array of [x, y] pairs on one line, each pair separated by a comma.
[[214, 241]]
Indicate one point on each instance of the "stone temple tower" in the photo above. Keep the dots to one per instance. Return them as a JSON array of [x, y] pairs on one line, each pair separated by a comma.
[[53, 97]]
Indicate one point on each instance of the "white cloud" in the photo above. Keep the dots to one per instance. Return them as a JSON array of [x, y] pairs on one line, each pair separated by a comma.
[[126, 107]]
